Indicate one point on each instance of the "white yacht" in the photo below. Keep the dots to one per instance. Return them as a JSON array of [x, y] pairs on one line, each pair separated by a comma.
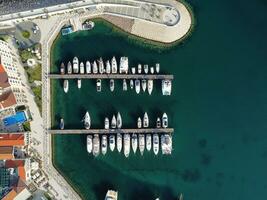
[[157, 67], [119, 142], [75, 65], [66, 86], [166, 87], [98, 85], [108, 67], [166, 144], [164, 120], [158, 124], [111, 85], [112, 142], [96, 145], [119, 120], [61, 124], [133, 70], [131, 84], [104, 144], [69, 68], [137, 86], [134, 142], [145, 120], [152, 70], [89, 143], [139, 69], [139, 123], [79, 83], [181, 197], [81, 68], [124, 67], [101, 66], [144, 85], [62, 68], [146, 69], [95, 68], [88, 67], [111, 195], [150, 86], [87, 120], [113, 122], [106, 123], [127, 144], [141, 143], [156, 143], [114, 67], [124, 85], [148, 142]]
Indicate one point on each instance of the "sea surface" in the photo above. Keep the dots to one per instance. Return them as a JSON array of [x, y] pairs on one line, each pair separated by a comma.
[[218, 109]]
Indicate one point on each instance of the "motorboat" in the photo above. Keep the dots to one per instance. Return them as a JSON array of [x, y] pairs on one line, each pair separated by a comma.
[[98, 85], [112, 142], [150, 86], [62, 68], [75, 64], [81, 68], [141, 139], [157, 67], [131, 84], [114, 66], [112, 85], [148, 142], [66, 86], [108, 67], [152, 70], [124, 65], [166, 144], [124, 85], [61, 125], [101, 66], [134, 142], [87, 120], [146, 69], [164, 120], [119, 142], [139, 68], [166, 87], [139, 123], [127, 144], [106, 123], [144, 85], [69, 68], [133, 70], [88, 25], [181, 197], [145, 120], [156, 143], [96, 145], [137, 86], [88, 67], [89, 143], [119, 120], [158, 124], [95, 68], [111, 195], [104, 144], [113, 122], [79, 83]]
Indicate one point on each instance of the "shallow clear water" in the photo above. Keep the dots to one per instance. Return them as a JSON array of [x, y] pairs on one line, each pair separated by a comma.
[[218, 110]]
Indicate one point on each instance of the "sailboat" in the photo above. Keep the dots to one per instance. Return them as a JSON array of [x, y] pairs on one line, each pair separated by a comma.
[[114, 67], [87, 120], [144, 85], [156, 143], [124, 85], [95, 69], [108, 67], [106, 123], [150, 86], [104, 144], [134, 142], [145, 120], [119, 120], [101, 66], [148, 142], [112, 142], [89, 143], [141, 143], [96, 145], [137, 86], [127, 144], [119, 142], [88, 67]]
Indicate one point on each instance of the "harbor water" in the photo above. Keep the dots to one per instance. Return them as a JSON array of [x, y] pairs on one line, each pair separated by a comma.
[[217, 109]]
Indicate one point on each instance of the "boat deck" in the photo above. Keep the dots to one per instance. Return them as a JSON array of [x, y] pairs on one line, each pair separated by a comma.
[[111, 131], [111, 76]]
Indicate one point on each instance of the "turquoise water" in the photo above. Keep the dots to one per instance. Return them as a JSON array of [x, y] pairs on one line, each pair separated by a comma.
[[218, 110]]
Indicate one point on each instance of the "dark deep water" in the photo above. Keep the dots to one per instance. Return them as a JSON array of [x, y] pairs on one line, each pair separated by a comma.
[[218, 109]]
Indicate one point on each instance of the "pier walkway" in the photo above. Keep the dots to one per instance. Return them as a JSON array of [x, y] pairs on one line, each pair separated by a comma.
[[110, 76], [111, 131]]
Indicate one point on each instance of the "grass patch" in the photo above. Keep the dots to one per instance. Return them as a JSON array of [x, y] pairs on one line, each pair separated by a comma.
[[35, 73], [26, 126], [37, 91], [4, 37], [26, 34], [25, 55]]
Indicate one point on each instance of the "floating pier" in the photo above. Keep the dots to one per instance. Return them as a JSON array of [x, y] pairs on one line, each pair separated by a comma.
[[110, 131], [111, 76]]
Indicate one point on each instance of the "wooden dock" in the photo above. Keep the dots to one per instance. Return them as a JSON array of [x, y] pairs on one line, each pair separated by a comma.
[[111, 76], [110, 131]]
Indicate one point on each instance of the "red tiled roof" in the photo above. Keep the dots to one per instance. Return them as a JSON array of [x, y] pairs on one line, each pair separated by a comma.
[[11, 139], [7, 99], [6, 153], [14, 163]]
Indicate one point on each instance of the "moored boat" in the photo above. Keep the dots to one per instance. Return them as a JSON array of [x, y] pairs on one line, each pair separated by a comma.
[[114, 66], [134, 142], [98, 85], [150, 86], [96, 145], [131, 84], [108, 67], [106, 123], [111, 85], [166, 144], [119, 120], [66, 86], [145, 120], [79, 83], [127, 144], [119, 142], [144, 85], [152, 70], [133, 70], [88, 67], [141, 139], [137, 86], [61, 125], [146, 69], [139, 68], [75, 65], [69, 68], [124, 65], [112, 142], [158, 123], [113, 122], [139, 123], [164, 120], [157, 67], [89, 142], [155, 143], [87, 120], [124, 85], [166, 87], [148, 142], [81, 68], [62, 68], [101, 66], [104, 144], [95, 68]]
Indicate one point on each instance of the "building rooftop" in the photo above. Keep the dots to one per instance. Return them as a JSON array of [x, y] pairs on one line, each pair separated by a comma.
[[7, 99], [6, 153], [12, 140]]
